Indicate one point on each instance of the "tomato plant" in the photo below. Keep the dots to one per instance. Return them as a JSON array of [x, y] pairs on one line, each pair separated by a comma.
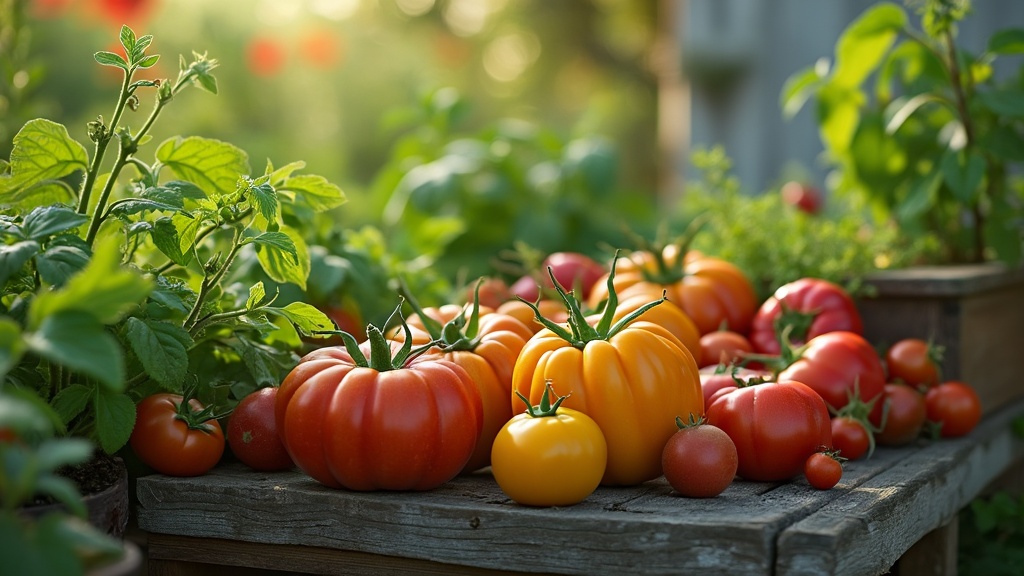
[[914, 361], [365, 417], [841, 366], [723, 347], [851, 437], [632, 377], [549, 455], [699, 460], [824, 469], [801, 310], [955, 406], [176, 435], [775, 426], [905, 415], [252, 432]]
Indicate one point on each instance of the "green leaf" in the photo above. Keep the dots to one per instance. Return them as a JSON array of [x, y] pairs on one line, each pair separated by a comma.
[[63, 489], [963, 174], [264, 197], [174, 192], [71, 401], [1004, 102], [77, 340], [1004, 142], [284, 261], [14, 256], [140, 47], [110, 59], [66, 256], [256, 295], [127, 37], [104, 289], [162, 349], [314, 191], [46, 221], [148, 61], [839, 115], [115, 418], [43, 150], [864, 43], [129, 206], [797, 89], [922, 196], [54, 453], [278, 176], [210, 164], [306, 317], [259, 360], [175, 237], [897, 112], [1009, 41], [12, 348]]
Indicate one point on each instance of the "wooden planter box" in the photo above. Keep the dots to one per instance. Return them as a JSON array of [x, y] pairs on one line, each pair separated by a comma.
[[975, 311]]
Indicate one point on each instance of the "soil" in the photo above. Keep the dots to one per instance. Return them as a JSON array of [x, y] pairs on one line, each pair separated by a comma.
[[92, 477]]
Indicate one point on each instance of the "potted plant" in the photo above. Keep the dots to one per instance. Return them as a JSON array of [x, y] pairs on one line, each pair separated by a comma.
[[925, 134], [121, 269]]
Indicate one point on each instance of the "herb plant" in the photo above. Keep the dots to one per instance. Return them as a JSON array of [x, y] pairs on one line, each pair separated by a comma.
[[120, 276]]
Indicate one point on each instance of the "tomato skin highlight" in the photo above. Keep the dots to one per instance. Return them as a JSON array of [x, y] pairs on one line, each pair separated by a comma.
[[775, 426], [252, 433], [850, 437], [722, 347], [823, 471], [549, 461], [955, 405], [166, 443], [700, 461], [911, 361], [906, 416]]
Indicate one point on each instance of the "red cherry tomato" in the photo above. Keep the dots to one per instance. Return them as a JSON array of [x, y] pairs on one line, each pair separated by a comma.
[[850, 437], [252, 433], [905, 416], [823, 470], [165, 441], [801, 196], [914, 361], [955, 405], [723, 347], [699, 460]]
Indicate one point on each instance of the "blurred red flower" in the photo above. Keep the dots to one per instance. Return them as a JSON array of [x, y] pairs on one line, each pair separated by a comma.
[[130, 12], [321, 48], [265, 56]]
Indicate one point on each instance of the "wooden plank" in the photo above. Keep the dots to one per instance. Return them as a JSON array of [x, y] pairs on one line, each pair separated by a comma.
[[872, 525], [933, 555], [943, 281]]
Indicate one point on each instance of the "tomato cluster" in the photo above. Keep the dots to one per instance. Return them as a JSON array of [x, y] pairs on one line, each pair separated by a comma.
[[660, 364]]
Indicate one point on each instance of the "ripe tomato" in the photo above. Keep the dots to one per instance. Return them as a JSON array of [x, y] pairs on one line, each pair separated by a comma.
[[905, 417], [666, 314], [801, 196], [824, 469], [699, 460], [723, 347], [549, 455], [807, 307], [553, 310], [775, 426], [955, 405], [851, 438], [252, 433], [572, 270], [172, 437], [490, 292], [719, 377], [841, 366], [914, 361]]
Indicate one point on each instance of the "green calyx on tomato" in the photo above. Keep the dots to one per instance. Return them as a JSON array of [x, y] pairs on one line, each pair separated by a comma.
[[668, 271], [793, 325], [580, 331], [381, 357], [693, 422], [461, 333], [196, 419], [545, 409]]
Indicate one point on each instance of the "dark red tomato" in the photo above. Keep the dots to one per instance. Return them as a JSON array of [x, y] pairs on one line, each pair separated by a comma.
[[776, 426], [715, 378], [850, 437], [252, 433], [913, 361], [823, 470], [722, 347], [905, 416], [955, 405], [801, 196], [699, 460], [171, 445], [573, 270], [806, 308], [840, 366]]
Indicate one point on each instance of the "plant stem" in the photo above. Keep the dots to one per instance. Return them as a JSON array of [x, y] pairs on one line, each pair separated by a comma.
[[98, 216], [101, 146], [210, 281], [207, 320]]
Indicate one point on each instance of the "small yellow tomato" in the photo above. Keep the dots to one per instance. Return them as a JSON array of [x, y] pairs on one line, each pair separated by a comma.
[[549, 455]]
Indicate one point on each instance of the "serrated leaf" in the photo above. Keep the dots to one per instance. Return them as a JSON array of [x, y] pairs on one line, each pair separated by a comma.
[[103, 289], [43, 151], [110, 59], [963, 174], [63, 258], [162, 349], [306, 317], [283, 173], [115, 419], [131, 206], [179, 188], [71, 401], [1009, 41], [279, 241], [77, 340], [259, 361], [148, 61], [314, 191], [256, 295], [283, 264], [165, 237], [46, 221], [264, 197], [14, 256], [210, 164], [12, 348]]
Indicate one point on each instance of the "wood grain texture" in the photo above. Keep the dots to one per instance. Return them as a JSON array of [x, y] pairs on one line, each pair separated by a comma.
[[873, 524]]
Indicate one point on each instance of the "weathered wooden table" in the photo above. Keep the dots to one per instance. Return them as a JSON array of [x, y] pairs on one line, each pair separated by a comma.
[[900, 505]]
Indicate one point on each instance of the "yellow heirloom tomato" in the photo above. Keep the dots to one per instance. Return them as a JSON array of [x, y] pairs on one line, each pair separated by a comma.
[[549, 455], [631, 377]]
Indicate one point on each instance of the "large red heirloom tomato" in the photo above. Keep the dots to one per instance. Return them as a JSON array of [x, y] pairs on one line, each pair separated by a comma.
[[776, 426], [803, 309], [354, 417]]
